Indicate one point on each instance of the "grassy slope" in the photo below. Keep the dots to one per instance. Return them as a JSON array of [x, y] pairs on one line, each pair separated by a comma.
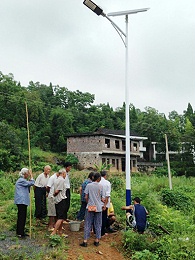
[[180, 223]]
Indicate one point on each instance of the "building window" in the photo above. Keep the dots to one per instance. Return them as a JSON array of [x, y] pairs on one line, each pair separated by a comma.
[[108, 161], [117, 164], [103, 160], [134, 163], [113, 163], [107, 143], [123, 145], [123, 164], [117, 144], [135, 147]]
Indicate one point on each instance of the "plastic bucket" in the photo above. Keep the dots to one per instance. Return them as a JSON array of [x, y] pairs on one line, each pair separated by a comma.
[[75, 225]]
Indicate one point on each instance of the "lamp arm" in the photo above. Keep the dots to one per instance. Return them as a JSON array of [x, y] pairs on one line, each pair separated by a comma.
[[118, 30], [114, 24], [119, 34]]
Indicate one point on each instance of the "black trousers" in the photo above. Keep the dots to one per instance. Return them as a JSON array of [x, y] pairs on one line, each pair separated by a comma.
[[104, 221], [21, 220], [40, 203], [67, 202]]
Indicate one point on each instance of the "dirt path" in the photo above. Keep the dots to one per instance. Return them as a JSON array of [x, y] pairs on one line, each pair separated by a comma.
[[108, 248]]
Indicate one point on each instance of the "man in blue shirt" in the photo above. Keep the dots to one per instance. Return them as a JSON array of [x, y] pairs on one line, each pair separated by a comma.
[[140, 215], [81, 213]]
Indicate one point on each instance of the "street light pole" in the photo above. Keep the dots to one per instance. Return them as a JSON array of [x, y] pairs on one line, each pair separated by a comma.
[[127, 122], [99, 11]]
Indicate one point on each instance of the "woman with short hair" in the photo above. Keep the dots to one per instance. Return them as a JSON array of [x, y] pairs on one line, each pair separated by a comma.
[[22, 199]]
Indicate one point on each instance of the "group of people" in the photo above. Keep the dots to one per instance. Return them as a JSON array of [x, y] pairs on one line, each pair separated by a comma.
[[56, 188], [95, 198], [98, 211], [96, 208]]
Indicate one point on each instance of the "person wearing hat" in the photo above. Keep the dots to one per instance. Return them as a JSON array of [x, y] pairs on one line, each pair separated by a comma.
[[22, 199]]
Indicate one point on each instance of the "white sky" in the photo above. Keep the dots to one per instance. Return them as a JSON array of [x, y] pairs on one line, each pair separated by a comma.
[[64, 42]]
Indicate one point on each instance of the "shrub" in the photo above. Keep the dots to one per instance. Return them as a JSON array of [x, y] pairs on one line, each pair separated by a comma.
[[73, 159], [146, 255], [6, 188], [77, 180], [190, 171], [176, 199], [133, 241], [117, 182], [55, 240], [163, 171], [75, 205]]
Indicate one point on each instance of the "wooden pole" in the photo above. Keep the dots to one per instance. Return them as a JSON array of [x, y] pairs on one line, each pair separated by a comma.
[[30, 168], [168, 163]]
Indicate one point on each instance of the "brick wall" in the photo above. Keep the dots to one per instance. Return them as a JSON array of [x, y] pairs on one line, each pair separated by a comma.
[[85, 144]]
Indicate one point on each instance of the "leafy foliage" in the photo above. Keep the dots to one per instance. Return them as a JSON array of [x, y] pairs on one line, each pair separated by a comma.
[[163, 171], [54, 112], [117, 182], [174, 198], [55, 240], [102, 167], [73, 159]]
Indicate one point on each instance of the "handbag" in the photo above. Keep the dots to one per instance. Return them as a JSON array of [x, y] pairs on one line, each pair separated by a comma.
[[92, 208]]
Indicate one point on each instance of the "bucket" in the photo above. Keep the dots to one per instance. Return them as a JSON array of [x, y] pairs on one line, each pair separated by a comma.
[[75, 225]]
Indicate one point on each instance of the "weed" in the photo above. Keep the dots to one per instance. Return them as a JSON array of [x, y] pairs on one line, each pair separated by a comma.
[[80, 258], [55, 240], [2, 237]]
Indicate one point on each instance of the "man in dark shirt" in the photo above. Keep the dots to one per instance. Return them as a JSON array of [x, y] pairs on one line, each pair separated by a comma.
[[140, 215]]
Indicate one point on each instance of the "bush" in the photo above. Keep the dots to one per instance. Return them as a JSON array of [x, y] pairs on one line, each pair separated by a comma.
[[133, 241], [75, 205], [6, 188], [146, 255], [190, 171], [77, 180], [73, 159], [176, 199], [117, 182], [55, 240], [163, 171]]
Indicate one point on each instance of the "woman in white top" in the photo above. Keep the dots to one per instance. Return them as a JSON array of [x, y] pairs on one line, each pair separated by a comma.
[[40, 194]]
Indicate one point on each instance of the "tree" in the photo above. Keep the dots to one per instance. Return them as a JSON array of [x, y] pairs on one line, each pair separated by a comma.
[[11, 149], [61, 125], [190, 114], [72, 99]]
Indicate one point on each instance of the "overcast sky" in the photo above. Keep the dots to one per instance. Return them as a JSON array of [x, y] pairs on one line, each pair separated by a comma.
[[65, 43]]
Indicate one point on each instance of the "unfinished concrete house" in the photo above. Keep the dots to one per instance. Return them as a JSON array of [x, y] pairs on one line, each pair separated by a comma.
[[105, 146]]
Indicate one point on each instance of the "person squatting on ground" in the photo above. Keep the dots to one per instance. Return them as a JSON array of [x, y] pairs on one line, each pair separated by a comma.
[[81, 213], [51, 202], [111, 218], [105, 201], [40, 194], [60, 202], [22, 199], [67, 166], [139, 214], [93, 215]]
